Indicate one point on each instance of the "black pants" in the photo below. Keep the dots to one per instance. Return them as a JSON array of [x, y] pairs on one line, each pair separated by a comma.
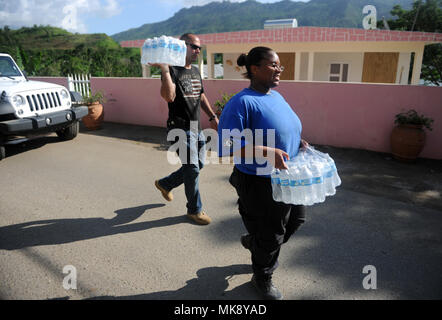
[[269, 223]]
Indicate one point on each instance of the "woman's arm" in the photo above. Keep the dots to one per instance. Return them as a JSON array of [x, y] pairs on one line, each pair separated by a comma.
[[274, 155], [303, 144]]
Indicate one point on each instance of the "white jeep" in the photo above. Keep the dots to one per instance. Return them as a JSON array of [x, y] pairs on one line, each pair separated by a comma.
[[29, 108]]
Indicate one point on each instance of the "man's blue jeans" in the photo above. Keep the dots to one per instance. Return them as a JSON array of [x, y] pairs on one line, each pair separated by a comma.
[[192, 155]]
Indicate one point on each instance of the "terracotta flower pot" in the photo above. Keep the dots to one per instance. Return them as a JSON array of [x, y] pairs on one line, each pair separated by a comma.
[[407, 142], [95, 116]]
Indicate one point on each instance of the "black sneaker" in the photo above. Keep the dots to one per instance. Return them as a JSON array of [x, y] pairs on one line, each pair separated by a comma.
[[266, 289], [245, 241]]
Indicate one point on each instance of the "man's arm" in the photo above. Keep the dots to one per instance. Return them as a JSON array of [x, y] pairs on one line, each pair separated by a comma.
[[168, 88], [205, 105]]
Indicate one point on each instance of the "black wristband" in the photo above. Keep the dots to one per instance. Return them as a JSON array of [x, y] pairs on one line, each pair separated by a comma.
[[212, 117]]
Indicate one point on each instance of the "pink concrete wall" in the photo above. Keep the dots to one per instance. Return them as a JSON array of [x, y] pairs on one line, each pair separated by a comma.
[[138, 101], [362, 115], [352, 115], [132, 100], [344, 115]]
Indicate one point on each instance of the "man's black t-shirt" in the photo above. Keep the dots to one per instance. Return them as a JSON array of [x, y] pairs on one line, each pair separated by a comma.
[[189, 87]]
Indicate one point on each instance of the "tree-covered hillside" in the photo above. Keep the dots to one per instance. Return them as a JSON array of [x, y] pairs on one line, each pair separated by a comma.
[[50, 51], [250, 15]]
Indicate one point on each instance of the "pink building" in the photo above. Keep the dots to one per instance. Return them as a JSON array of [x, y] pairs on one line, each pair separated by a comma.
[[336, 83], [323, 54]]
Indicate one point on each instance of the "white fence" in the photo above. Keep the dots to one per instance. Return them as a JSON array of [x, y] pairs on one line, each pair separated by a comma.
[[80, 83]]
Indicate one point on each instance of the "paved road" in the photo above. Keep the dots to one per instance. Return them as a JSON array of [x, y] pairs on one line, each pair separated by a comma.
[[90, 203]]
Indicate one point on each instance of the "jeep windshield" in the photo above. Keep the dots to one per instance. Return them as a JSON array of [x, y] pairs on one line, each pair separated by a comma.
[[8, 68]]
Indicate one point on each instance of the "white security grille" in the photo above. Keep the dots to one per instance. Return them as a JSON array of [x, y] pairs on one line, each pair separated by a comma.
[[43, 101]]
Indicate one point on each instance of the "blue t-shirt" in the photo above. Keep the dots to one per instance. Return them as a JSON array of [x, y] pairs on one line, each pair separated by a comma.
[[252, 118]]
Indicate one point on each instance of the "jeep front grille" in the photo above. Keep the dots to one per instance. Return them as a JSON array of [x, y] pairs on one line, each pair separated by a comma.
[[43, 101]]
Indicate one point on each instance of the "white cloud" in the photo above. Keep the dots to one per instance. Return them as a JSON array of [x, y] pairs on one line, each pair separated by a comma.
[[66, 14]]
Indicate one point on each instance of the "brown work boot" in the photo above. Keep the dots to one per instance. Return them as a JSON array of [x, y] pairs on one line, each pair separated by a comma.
[[200, 218], [166, 194]]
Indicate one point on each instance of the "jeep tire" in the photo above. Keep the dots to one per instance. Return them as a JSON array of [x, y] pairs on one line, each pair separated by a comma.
[[2, 152], [69, 132]]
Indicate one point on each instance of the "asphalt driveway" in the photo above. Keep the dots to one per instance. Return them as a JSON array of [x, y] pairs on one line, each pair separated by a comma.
[[89, 207]]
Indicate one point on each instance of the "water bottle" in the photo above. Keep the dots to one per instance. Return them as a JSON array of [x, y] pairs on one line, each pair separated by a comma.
[[318, 181], [328, 181], [304, 184], [180, 53], [285, 186], [183, 51], [313, 185], [327, 168], [276, 185], [160, 50], [164, 49], [291, 176], [336, 180], [298, 194], [304, 178], [143, 55], [292, 193], [154, 50], [146, 51], [279, 189], [171, 51], [310, 177], [325, 183]]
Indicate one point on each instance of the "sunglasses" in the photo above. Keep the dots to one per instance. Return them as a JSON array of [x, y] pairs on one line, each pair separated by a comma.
[[194, 46], [275, 66]]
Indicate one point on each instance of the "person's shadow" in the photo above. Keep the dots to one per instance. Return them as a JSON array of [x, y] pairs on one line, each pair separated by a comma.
[[58, 231], [210, 284]]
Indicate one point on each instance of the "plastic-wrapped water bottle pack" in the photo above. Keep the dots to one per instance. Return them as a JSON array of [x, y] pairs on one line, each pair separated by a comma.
[[311, 176], [164, 49]]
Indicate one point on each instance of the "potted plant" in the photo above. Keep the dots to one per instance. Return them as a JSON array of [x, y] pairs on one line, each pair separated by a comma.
[[95, 117], [220, 104], [408, 136]]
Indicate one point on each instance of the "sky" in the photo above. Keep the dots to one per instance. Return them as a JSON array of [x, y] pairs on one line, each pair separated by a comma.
[[93, 16]]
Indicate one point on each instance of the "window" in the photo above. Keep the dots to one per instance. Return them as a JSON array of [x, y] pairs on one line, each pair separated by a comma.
[[338, 72]]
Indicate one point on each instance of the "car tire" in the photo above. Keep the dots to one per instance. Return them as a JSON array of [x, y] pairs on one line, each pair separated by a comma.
[[69, 132], [2, 152]]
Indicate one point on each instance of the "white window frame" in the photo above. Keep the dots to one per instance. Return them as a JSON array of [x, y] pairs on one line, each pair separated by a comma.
[[341, 70]]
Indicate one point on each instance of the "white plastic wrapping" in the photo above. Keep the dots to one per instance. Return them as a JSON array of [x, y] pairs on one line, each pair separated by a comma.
[[310, 178], [164, 49]]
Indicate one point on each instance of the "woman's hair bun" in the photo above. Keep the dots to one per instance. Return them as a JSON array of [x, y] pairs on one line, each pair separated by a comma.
[[242, 60]]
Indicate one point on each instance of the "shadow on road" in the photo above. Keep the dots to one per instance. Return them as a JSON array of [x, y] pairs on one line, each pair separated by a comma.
[[138, 133], [27, 144], [210, 284], [58, 231]]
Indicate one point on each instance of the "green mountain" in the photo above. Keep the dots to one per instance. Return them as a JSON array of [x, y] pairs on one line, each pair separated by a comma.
[[250, 15], [50, 51], [41, 37]]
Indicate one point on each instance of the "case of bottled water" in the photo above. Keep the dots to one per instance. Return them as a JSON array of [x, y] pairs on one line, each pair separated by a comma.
[[168, 50], [311, 177]]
